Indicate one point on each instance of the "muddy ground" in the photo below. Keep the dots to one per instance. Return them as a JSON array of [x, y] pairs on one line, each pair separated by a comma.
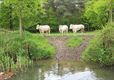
[[63, 52]]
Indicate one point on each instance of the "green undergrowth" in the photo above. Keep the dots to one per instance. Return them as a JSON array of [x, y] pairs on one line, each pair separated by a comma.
[[101, 49], [22, 50]]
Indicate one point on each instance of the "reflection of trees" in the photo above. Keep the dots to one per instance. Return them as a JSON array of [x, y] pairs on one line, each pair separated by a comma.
[[35, 71], [104, 73], [59, 68], [64, 67], [43, 69]]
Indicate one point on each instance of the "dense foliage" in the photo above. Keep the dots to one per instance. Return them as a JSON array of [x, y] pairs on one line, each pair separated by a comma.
[[14, 49], [19, 13], [65, 11], [94, 14], [97, 13], [101, 49], [28, 14]]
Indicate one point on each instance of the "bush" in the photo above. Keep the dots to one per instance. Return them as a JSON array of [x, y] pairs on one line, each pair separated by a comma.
[[101, 49], [39, 46], [15, 49]]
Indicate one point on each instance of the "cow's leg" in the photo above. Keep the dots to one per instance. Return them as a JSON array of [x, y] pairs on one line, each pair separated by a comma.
[[49, 32], [67, 30], [43, 32], [40, 31], [62, 32], [74, 31], [82, 30]]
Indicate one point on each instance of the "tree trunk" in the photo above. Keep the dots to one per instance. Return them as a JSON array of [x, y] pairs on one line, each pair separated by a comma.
[[110, 16], [20, 26], [10, 18], [110, 12]]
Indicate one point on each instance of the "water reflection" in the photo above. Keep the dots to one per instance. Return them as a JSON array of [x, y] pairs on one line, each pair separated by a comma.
[[69, 70]]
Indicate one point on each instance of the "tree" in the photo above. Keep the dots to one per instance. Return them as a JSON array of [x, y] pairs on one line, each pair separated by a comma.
[[6, 19], [98, 12], [22, 9], [52, 12], [60, 12]]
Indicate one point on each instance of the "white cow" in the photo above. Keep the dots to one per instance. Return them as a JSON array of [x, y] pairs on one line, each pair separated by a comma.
[[43, 28], [63, 28], [75, 27]]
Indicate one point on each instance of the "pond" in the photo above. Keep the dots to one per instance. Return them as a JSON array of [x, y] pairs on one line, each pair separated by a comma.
[[64, 70]]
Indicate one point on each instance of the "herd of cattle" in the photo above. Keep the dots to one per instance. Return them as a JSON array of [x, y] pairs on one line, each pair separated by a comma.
[[62, 28]]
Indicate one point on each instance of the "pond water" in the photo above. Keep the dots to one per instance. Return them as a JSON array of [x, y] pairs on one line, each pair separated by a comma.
[[64, 70]]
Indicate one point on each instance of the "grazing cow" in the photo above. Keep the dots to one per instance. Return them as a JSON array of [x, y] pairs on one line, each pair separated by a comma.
[[75, 28], [43, 28], [63, 28]]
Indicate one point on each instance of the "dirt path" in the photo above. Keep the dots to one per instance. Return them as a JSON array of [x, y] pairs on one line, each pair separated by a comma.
[[63, 52]]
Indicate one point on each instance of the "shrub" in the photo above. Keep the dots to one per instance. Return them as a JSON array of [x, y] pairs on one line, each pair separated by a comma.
[[39, 46], [101, 49], [15, 49]]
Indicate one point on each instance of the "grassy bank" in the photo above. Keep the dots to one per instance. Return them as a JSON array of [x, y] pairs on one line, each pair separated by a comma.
[[74, 34], [16, 51], [101, 49]]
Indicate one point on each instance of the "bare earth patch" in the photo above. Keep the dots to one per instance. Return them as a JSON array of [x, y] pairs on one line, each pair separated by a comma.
[[63, 52]]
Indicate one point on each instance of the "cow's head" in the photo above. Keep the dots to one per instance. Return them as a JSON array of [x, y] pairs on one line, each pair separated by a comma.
[[37, 27], [71, 26]]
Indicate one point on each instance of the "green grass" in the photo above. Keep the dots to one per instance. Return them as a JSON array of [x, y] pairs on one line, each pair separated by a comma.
[[74, 42], [101, 48], [71, 34], [28, 47], [44, 49]]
